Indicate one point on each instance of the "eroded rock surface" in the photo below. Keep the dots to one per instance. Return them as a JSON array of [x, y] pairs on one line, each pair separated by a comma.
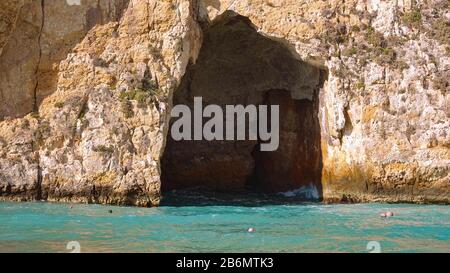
[[99, 135], [36, 37], [86, 90]]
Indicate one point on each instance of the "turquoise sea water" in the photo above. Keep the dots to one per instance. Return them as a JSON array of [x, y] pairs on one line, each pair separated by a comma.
[[221, 227]]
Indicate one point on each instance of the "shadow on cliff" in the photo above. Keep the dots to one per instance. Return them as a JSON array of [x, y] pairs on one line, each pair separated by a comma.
[[29, 61]]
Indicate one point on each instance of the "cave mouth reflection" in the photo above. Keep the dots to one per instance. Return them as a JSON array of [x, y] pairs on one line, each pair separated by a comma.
[[239, 66]]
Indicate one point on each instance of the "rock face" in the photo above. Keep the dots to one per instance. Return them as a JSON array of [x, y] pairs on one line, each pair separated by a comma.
[[86, 89], [35, 42]]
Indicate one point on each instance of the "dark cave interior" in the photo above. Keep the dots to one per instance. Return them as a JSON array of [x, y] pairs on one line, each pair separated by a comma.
[[237, 65]]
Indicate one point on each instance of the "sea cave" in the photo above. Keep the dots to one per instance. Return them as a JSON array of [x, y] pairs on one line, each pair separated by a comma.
[[239, 66]]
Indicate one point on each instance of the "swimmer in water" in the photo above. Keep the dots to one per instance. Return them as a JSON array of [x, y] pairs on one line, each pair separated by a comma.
[[251, 230], [386, 214]]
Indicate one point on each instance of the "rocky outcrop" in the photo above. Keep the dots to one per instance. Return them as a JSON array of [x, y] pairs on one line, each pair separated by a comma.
[[86, 91], [99, 136]]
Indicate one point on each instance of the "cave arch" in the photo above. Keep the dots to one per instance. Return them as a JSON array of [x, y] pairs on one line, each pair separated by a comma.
[[237, 65]]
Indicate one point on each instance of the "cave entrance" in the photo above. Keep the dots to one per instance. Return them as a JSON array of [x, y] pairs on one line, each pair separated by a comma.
[[238, 66]]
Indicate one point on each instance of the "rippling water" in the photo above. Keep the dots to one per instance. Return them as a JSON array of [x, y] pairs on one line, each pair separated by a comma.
[[221, 227]]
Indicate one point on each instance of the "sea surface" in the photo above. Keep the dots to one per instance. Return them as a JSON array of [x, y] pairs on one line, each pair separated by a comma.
[[221, 225]]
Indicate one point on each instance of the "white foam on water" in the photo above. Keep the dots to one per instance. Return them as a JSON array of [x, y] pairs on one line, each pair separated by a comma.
[[307, 192]]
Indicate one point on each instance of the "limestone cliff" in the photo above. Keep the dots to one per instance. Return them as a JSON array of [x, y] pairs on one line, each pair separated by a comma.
[[86, 89]]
